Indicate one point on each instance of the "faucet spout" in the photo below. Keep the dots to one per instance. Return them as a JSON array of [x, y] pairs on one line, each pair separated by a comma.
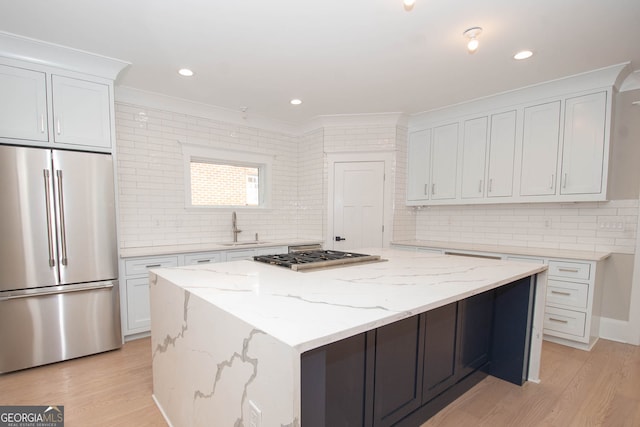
[[234, 227]]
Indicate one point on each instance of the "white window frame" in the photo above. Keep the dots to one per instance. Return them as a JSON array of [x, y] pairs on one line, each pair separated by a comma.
[[192, 152]]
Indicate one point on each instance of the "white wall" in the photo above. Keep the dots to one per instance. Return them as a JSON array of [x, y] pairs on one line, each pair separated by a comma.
[[151, 183], [577, 226]]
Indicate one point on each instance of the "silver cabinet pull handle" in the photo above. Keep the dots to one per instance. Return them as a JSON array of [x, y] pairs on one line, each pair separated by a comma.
[[63, 228], [566, 294], [564, 180], [426, 191], [433, 189], [558, 320], [490, 185], [203, 261], [568, 270], [480, 187], [153, 265], [58, 126], [47, 193], [41, 123], [551, 181]]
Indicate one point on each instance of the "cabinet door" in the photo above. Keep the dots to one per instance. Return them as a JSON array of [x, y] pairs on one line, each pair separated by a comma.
[[540, 149], [444, 159], [439, 351], [398, 370], [475, 323], [333, 384], [23, 104], [502, 144], [418, 165], [81, 112], [583, 149], [474, 148], [138, 306]]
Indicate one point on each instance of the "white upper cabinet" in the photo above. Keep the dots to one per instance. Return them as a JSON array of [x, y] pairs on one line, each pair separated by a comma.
[[583, 151], [474, 150], [431, 164], [444, 159], [502, 145], [541, 136], [418, 166], [23, 104], [81, 112]]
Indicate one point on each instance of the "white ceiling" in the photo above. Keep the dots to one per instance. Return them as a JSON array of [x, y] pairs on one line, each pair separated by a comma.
[[338, 56]]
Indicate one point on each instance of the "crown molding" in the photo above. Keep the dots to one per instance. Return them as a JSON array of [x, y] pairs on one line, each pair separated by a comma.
[[14, 46], [129, 95]]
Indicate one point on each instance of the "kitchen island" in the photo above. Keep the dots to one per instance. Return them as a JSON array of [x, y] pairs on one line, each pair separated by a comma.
[[244, 343]]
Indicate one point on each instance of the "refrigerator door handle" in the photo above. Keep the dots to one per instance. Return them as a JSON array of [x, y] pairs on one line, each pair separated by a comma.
[[63, 228], [47, 193], [56, 291]]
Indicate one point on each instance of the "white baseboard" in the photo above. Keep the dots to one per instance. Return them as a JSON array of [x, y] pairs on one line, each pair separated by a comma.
[[614, 330]]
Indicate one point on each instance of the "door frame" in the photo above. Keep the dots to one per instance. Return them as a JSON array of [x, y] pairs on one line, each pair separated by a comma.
[[388, 158]]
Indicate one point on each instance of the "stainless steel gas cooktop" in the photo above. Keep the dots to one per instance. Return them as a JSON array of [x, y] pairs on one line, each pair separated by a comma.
[[315, 259]]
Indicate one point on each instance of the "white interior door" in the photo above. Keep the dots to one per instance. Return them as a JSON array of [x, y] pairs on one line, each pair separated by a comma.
[[358, 208]]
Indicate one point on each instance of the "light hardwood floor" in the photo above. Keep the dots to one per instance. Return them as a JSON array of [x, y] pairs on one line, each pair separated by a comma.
[[597, 388]]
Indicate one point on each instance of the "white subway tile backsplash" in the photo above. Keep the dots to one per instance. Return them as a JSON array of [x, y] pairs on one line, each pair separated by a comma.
[[598, 226]]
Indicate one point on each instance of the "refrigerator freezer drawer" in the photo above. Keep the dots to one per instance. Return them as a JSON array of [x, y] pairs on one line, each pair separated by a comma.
[[58, 323]]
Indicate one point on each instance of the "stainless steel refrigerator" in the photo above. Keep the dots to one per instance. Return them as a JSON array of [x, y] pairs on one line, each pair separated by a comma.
[[59, 295]]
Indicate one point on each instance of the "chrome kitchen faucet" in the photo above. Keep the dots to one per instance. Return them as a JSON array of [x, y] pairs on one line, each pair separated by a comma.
[[234, 227]]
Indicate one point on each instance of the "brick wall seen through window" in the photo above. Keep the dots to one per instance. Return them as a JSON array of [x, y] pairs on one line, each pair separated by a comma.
[[224, 185]]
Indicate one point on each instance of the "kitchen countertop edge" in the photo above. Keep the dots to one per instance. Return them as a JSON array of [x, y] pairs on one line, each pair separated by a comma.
[[503, 249], [145, 251]]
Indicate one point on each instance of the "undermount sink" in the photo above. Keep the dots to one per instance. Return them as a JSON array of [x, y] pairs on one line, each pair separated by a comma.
[[244, 243]]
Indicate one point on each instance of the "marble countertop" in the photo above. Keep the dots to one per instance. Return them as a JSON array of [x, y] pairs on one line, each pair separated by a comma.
[[206, 247], [306, 310], [512, 250]]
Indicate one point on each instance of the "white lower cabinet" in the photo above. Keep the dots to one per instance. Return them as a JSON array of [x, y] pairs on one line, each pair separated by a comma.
[[134, 296]]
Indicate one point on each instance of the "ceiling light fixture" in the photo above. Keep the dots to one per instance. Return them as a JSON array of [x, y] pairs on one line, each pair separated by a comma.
[[523, 54], [472, 34], [185, 72], [296, 101], [408, 4]]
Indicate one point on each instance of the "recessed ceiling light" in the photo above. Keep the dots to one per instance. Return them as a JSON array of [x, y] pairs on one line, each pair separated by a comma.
[[408, 4], [296, 101], [523, 54], [185, 72]]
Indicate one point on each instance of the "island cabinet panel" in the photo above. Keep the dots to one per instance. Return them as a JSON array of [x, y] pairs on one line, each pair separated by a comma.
[[399, 355], [403, 373], [511, 331], [475, 324], [333, 383], [439, 351]]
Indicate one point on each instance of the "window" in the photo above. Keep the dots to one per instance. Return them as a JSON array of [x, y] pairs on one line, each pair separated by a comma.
[[215, 178]]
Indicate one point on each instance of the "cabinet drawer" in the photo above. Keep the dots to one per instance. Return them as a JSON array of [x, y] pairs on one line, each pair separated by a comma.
[[203, 258], [240, 255], [567, 293], [564, 321], [142, 265], [572, 270]]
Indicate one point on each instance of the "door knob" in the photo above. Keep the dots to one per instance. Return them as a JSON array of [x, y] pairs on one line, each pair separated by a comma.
[[338, 238]]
